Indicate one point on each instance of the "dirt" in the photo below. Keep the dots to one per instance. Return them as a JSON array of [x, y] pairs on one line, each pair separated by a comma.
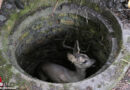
[[123, 13], [124, 84]]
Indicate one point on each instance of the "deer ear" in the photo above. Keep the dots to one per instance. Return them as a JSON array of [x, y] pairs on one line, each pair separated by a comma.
[[71, 57], [76, 47]]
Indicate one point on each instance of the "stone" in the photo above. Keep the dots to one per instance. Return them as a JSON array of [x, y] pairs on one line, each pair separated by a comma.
[[2, 18], [9, 6]]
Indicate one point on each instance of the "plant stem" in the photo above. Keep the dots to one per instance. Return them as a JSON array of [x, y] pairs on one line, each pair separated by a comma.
[[54, 9]]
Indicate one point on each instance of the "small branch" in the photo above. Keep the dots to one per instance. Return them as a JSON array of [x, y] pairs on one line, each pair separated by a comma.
[[54, 9], [65, 46]]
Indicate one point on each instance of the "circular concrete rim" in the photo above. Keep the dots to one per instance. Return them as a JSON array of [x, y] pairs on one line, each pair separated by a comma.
[[17, 31], [90, 80]]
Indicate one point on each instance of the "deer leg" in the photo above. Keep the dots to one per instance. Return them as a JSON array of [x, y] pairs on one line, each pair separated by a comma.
[[41, 76]]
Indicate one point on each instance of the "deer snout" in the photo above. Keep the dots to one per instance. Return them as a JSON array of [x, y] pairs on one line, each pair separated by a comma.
[[90, 62]]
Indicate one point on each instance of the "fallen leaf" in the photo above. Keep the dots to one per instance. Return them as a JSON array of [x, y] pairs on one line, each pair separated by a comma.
[[1, 3], [129, 4]]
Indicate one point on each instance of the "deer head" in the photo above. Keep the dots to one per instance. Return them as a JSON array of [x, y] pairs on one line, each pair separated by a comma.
[[79, 59]]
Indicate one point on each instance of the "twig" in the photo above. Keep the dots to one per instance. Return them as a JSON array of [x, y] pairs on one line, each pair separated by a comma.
[[125, 61], [65, 46], [1, 1], [54, 9], [120, 10], [63, 43]]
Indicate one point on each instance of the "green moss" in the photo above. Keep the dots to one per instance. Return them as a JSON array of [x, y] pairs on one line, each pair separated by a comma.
[[97, 8], [2, 60], [66, 87], [59, 30], [29, 40], [83, 2], [23, 36], [119, 73], [20, 81], [6, 73], [124, 61], [67, 22], [51, 86], [94, 6], [37, 27], [43, 31], [127, 57], [5, 43], [15, 16]]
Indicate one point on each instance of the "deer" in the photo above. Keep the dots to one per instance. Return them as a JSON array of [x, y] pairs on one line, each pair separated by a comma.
[[60, 74]]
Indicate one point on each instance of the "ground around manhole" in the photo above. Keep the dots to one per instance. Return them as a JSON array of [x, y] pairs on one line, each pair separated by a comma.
[[120, 11], [123, 13], [124, 84]]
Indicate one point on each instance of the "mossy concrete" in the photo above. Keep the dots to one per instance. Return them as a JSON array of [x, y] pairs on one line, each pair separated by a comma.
[[11, 72]]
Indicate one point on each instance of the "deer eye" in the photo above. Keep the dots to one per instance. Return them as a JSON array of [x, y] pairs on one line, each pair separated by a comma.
[[85, 61]]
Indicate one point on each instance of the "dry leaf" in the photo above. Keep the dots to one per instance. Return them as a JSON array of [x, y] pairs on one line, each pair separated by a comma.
[[1, 3], [129, 4]]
